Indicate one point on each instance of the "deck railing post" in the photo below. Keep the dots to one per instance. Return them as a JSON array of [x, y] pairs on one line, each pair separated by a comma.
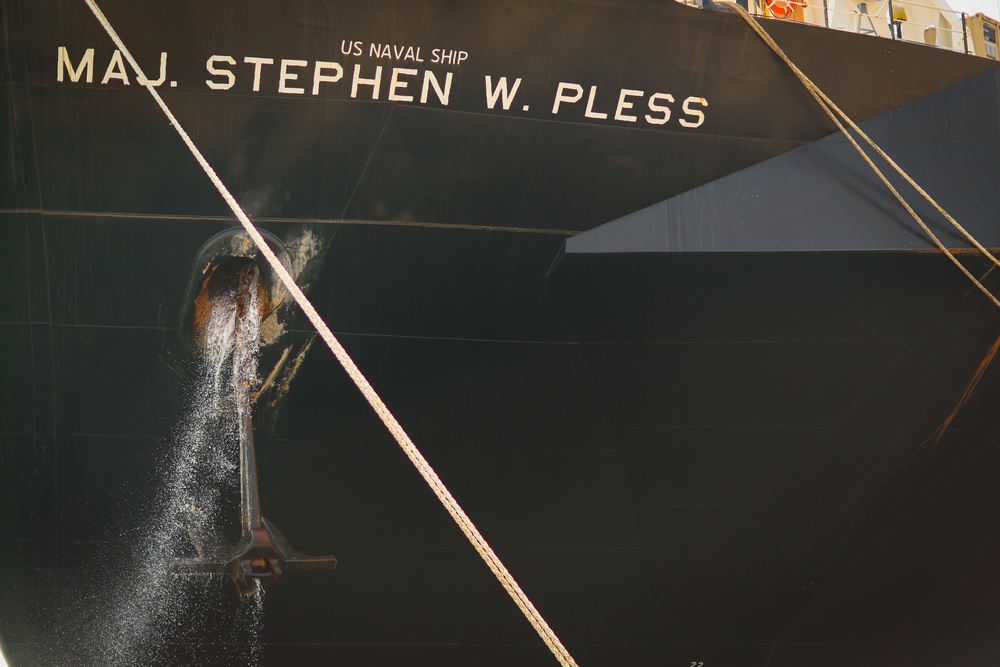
[[892, 21], [965, 34]]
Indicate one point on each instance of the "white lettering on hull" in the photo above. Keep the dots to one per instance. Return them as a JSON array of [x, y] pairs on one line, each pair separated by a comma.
[[367, 80], [115, 71], [656, 103]]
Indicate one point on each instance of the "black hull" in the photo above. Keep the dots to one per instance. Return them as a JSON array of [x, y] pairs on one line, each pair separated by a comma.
[[686, 449]]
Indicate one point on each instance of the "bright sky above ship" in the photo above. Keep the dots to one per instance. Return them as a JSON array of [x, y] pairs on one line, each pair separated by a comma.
[[989, 7]]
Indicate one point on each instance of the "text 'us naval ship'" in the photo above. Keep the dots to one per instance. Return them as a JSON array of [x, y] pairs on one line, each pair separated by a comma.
[[686, 314]]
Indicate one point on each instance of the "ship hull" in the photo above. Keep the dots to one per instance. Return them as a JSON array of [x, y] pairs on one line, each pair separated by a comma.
[[690, 443]]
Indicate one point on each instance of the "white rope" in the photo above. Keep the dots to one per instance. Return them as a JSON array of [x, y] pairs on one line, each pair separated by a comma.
[[833, 111], [427, 472]]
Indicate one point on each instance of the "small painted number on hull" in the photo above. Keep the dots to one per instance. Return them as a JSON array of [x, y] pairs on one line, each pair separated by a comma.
[[697, 663]]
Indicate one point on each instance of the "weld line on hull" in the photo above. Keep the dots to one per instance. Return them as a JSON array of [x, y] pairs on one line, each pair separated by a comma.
[[317, 221]]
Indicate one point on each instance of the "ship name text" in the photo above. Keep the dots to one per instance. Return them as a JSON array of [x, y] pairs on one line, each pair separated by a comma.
[[408, 78], [627, 105], [296, 77]]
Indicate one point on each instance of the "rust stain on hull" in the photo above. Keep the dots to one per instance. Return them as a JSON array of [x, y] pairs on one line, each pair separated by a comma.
[[221, 280]]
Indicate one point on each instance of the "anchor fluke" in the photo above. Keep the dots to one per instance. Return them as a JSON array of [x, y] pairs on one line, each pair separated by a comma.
[[261, 556]]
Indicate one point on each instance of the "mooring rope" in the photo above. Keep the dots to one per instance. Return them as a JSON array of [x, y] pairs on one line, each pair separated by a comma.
[[426, 471], [832, 110]]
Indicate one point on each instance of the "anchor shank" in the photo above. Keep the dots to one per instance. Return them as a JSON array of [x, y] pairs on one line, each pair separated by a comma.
[[249, 491]]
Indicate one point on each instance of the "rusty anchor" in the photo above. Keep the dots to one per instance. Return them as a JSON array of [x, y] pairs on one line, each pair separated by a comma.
[[262, 554]]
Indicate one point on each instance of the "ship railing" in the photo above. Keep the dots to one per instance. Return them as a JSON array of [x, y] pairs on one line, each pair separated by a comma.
[[904, 20]]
